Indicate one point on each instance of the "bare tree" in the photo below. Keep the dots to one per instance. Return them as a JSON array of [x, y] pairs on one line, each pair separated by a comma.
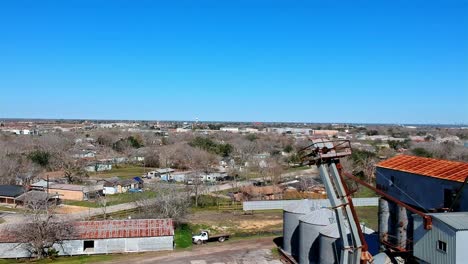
[[274, 171], [201, 163], [101, 200], [170, 202], [368, 169], [73, 169], [43, 230]]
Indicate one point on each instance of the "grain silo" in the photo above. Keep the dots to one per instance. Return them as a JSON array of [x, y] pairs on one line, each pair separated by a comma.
[[329, 244], [291, 216], [310, 226]]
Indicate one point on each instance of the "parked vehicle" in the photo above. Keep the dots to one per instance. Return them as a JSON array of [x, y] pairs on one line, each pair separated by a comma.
[[204, 237]]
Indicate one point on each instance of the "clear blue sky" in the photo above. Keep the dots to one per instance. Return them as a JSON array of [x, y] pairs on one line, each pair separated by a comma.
[[310, 61]]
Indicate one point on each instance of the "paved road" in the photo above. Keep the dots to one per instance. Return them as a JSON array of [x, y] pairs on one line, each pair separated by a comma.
[[251, 251]]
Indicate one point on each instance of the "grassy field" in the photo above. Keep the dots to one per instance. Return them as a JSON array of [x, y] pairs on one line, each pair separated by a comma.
[[300, 168], [9, 209], [364, 192], [369, 215], [183, 236], [122, 171], [114, 199], [65, 260]]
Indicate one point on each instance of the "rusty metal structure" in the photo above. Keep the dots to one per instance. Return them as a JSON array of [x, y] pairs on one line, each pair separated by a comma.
[[436, 168], [98, 237], [326, 156], [124, 228], [427, 218]]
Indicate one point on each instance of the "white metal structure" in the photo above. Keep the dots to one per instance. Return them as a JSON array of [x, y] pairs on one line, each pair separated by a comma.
[[326, 154]]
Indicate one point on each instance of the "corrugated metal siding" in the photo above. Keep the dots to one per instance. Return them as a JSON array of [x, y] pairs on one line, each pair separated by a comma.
[[282, 204], [13, 250], [70, 247], [462, 242], [124, 228], [425, 242], [442, 169], [417, 186], [101, 246]]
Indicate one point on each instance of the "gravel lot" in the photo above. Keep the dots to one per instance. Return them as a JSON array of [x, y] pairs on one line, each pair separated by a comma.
[[250, 251]]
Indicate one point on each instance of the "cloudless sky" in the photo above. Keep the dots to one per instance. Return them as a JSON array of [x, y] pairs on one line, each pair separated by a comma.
[[254, 60]]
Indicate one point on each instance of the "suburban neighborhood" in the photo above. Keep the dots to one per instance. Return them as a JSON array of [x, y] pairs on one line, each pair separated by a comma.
[[233, 132]]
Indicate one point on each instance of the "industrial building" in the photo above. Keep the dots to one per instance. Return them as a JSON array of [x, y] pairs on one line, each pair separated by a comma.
[[311, 234], [411, 179], [102, 237], [423, 214], [424, 218], [446, 242]]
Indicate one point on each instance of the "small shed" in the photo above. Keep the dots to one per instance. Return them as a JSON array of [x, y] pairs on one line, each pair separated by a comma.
[[116, 185], [446, 242]]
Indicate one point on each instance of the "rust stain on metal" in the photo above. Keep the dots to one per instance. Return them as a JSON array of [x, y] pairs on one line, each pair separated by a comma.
[[436, 168], [124, 228]]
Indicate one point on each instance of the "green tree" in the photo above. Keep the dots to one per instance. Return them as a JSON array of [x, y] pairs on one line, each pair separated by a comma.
[[40, 157], [251, 137], [211, 146], [135, 142], [224, 149], [422, 152], [288, 149]]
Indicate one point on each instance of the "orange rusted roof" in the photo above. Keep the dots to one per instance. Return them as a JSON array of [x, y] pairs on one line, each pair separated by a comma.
[[124, 228], [104, 229], [437, 168]]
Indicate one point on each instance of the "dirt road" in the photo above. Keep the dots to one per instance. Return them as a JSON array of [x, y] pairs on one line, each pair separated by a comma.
[[238, 252]]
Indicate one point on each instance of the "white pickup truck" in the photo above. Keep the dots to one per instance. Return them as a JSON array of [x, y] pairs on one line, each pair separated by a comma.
[[204, 237]]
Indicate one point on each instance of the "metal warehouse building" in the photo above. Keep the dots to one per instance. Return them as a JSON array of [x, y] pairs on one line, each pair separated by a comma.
[[103, 237], [425, 183], [446, 242]]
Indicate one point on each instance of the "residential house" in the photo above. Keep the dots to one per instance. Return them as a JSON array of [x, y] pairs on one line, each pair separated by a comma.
[[181, 176], [250, 193], [9, 193], [41, 185], [37, 198], [84, 154], [214, 177], [76, 192], [98, 166], [116, 185], [159, 173]]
